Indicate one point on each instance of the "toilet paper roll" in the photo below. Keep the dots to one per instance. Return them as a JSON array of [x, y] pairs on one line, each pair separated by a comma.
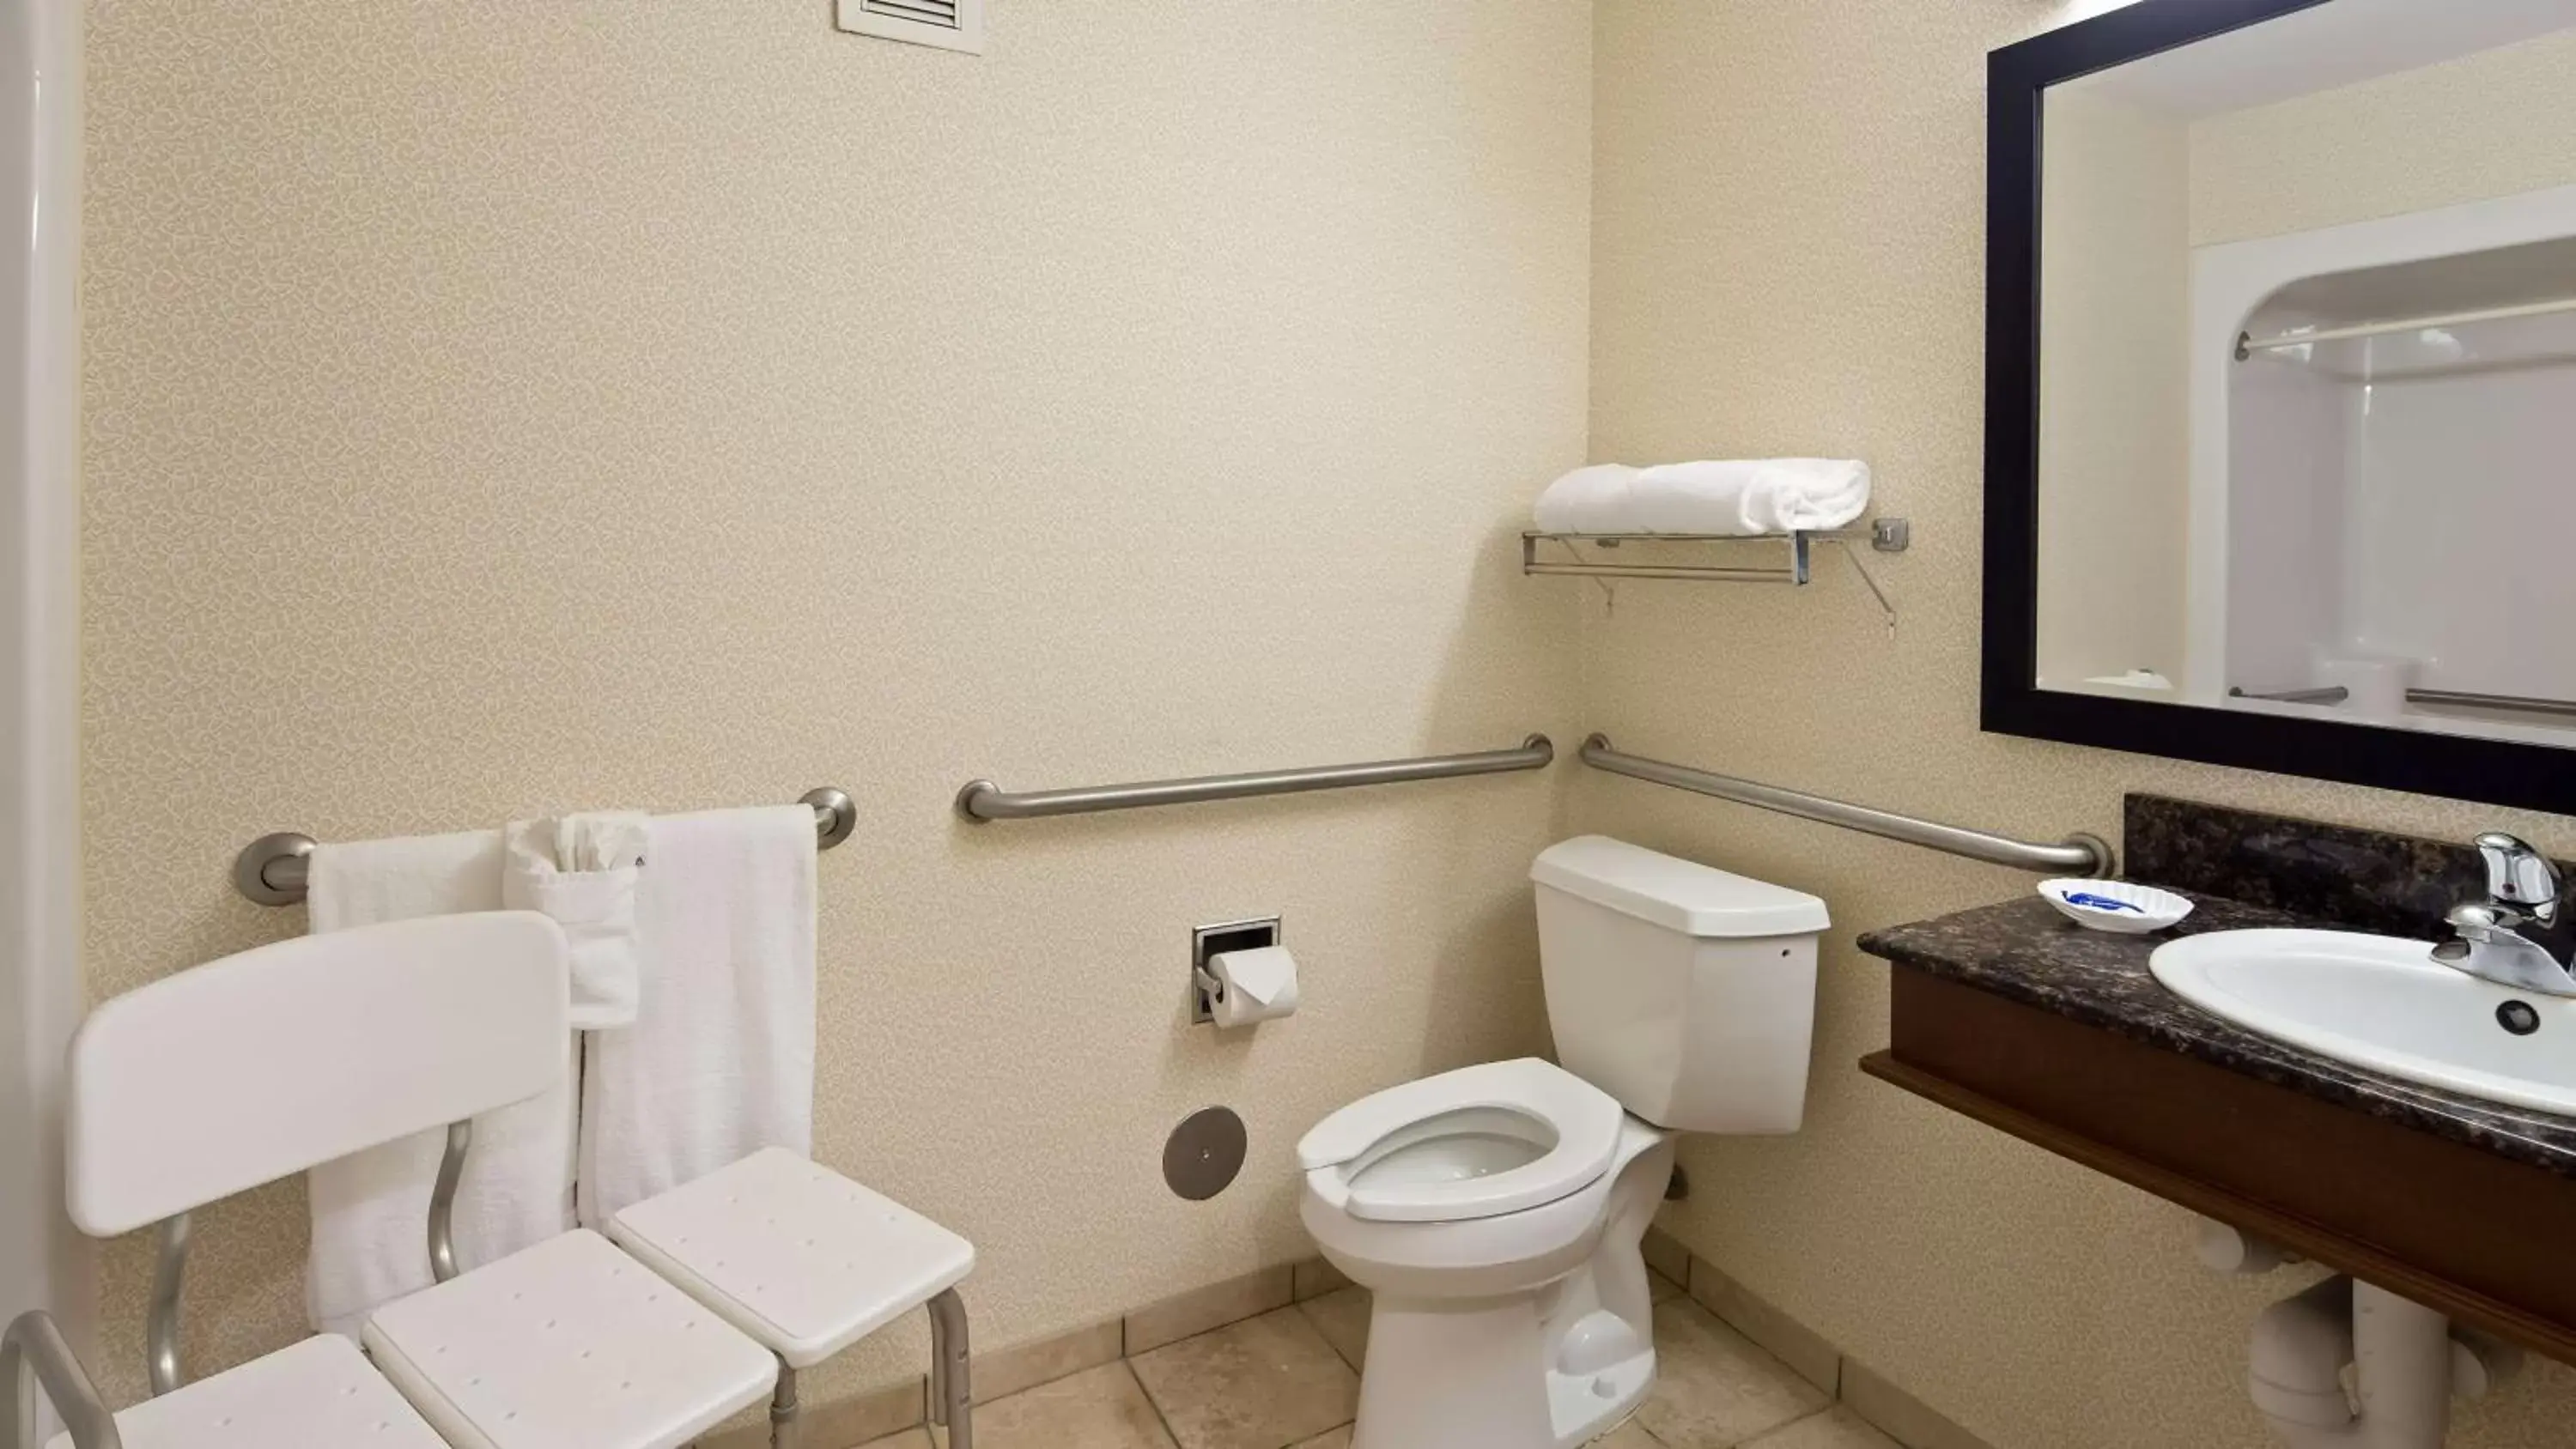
[[1255, 985]]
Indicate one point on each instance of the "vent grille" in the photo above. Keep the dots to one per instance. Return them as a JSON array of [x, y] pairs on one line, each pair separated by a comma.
[[942, 13], [947, 24]]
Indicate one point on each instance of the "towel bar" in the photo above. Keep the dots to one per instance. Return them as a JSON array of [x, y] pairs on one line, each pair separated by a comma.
[[272, 869]]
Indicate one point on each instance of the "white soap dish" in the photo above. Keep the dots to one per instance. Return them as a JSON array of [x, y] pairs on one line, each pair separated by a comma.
[[2116, 906]]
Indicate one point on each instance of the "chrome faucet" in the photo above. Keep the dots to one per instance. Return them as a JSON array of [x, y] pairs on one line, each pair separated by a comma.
[[2524, 934]]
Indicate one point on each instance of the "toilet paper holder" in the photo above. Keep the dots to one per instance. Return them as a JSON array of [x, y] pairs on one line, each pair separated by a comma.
[[1209, 942]]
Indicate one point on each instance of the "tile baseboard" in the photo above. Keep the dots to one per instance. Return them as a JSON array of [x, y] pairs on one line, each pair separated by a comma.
[[1861, 1389]]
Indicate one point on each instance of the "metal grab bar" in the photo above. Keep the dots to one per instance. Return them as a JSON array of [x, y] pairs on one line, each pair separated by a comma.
[[2454, 698], [33, 1347], [982, 800], [2087, 853], [274, 869]]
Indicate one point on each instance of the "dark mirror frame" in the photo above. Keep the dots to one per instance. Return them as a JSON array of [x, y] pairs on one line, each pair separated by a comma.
[[2500, 772]]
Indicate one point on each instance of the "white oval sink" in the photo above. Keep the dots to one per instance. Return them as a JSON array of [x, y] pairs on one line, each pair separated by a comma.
[[2384, 1004]]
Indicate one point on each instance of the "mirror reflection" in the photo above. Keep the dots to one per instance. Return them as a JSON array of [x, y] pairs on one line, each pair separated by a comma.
[[2308, 371]]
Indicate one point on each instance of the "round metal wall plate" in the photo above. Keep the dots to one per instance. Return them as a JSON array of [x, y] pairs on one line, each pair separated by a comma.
[[1204, 1153]]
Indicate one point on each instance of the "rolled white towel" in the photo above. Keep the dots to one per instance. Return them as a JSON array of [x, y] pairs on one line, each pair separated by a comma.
[[1598, 499], [582, 870], [1770, 495]]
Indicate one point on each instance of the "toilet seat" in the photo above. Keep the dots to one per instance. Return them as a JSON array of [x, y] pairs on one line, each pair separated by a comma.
[[1567, 1128]]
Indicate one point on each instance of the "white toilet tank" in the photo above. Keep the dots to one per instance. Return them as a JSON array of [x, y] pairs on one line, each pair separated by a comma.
[[1687, 993]]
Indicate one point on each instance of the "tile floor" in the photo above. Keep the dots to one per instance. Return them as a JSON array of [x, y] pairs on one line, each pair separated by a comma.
[[1289, 1380]]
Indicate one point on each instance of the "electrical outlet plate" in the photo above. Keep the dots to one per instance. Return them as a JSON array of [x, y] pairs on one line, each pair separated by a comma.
[[1207, 941], [947, 24]]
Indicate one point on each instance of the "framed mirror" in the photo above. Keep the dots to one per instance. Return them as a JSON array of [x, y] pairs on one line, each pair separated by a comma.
[[2281, 390]]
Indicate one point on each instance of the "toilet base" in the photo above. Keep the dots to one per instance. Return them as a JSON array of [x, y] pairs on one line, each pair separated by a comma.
[[1446, 1374], [1548, 1368]]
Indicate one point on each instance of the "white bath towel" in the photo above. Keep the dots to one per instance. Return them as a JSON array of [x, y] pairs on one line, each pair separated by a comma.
[[1598, 499], [1771, 495], [371, 1210], [581, 870], [720, 1060]]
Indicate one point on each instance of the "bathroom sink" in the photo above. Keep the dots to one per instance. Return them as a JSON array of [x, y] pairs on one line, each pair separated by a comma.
[[2384, 1004]]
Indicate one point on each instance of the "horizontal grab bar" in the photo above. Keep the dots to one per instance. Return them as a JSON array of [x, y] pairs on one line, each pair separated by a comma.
[[982, 800], [2455, 698], [2087, 853], [275, 869]]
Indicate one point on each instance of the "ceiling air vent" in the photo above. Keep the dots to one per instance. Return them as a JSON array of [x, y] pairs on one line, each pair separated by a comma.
[[948, 24]]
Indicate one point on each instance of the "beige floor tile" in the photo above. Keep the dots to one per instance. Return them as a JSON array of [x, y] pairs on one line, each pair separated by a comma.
[[1714, 1388], [1343, 1318], [1258, 1384], [1837, 1429], [1338, 1439], [1627, 1436], [1102, 1408], [1659, 1288], [908, 1439]]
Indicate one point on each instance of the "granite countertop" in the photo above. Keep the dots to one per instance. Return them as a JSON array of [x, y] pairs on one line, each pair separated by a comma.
[[2025, 951]]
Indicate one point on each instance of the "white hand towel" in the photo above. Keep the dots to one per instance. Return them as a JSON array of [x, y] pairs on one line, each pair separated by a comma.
[[1773, 495], [581, 870], [720, 1060], [371, 1209], [1598, 499]]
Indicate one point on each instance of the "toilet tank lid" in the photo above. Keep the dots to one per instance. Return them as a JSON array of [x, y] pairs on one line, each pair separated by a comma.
[[1679, 895]]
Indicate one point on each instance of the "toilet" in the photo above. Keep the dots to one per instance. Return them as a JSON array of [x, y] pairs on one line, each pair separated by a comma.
[[1498, 1212]]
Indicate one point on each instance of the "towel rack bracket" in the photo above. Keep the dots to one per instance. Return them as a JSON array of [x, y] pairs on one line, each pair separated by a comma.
[[835, 814], [264, 864]]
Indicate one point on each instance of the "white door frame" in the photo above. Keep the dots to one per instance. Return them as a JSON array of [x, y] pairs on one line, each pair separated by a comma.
[[44, 1261]]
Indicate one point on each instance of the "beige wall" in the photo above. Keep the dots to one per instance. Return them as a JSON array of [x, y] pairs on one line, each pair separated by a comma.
[[2496, 123], [1787, 259], [2115, 413], [495, 408]]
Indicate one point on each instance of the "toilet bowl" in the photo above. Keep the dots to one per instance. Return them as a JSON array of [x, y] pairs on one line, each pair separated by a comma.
[[1497, 1212]]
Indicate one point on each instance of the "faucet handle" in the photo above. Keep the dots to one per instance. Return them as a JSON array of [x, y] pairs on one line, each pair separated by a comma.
[[2519, 875]]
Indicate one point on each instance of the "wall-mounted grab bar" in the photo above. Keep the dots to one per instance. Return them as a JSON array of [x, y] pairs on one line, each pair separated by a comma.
[[2086, 853], [274, 869], [2452, 698], [983, 800]]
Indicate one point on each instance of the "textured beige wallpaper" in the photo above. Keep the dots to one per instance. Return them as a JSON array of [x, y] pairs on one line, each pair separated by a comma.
[[2492, 124], [498, 407], [1787, 259]]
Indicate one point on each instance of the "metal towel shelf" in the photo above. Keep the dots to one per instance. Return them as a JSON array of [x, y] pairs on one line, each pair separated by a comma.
[[982, 800], [273, 870], [2088, 854]]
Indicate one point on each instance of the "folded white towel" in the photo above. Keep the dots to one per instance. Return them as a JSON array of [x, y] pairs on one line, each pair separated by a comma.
[[1598, 499], [371, 1210], [720, 1060], [581, 870], [1772, 495]]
